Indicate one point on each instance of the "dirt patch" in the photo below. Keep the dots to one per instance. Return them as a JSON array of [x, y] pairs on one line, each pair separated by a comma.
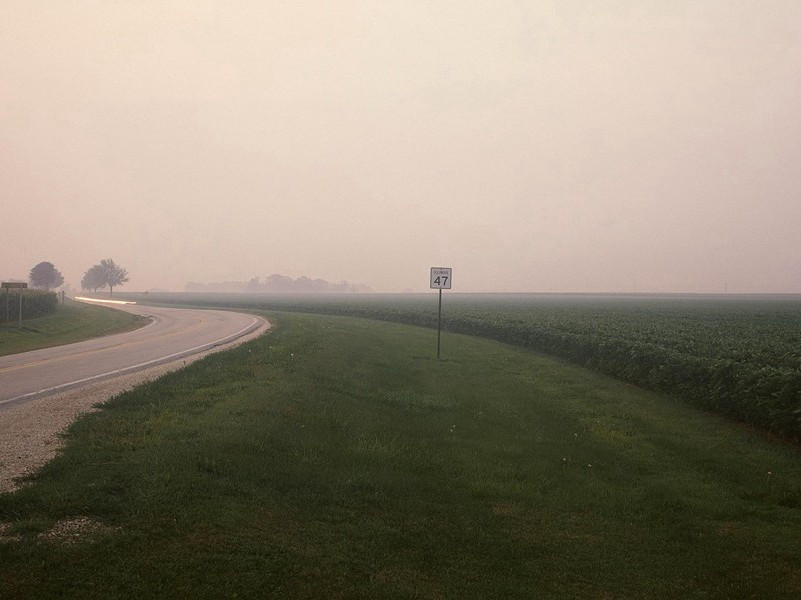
[[5, 536], [506, 509], [29, 432], [73, 531]]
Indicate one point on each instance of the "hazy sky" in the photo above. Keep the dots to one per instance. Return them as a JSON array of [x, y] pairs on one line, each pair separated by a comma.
[[564, 145]]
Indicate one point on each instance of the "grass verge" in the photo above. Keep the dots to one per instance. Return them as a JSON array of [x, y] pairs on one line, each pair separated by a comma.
[[336, 458], [72, 322]]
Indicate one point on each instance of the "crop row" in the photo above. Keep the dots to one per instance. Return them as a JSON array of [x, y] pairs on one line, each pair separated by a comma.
[[35, 303]]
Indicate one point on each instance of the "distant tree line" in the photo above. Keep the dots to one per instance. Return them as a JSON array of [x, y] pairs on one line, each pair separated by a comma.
[[45, 276], [278, 283], [105, 274]]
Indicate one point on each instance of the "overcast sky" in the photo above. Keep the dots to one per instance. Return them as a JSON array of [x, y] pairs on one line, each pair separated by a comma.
[[564, 145]]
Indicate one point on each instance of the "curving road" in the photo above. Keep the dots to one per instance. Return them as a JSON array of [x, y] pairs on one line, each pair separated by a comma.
[[171, 334]]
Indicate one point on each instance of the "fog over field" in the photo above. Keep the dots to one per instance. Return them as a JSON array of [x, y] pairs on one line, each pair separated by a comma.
[[563, 145]]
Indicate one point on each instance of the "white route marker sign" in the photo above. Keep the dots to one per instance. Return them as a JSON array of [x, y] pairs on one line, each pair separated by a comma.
[[441, 278]]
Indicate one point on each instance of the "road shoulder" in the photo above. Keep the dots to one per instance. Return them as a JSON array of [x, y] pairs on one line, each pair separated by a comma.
[[30, 430]]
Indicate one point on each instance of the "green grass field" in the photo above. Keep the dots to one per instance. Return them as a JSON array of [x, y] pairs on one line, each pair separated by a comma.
[[337, 458], [734, 355], [72, 322]]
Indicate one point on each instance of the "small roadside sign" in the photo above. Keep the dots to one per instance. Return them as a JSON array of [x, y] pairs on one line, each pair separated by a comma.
[[441, 278], [13, 284]]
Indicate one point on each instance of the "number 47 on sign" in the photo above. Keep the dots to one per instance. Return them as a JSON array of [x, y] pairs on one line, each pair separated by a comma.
[[441, 278]]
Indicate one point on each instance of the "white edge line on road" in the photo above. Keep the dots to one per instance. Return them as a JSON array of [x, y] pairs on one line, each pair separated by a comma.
[[206, 346]]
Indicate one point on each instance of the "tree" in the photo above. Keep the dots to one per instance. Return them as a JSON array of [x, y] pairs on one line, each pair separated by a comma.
[[45, 275], [93, 279], [113, 274]]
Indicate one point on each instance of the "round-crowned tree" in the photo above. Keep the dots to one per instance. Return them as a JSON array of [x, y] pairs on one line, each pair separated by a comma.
[[93, 279], [113, 274], [107, 273], [45, 275]]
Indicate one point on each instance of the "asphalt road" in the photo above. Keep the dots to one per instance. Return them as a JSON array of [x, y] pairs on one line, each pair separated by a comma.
[[172, 333]]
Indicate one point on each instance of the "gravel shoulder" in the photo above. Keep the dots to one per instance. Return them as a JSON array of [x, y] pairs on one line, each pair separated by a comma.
[[30, 431]]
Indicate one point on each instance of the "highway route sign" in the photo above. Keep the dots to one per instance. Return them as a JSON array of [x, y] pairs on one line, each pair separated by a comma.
[[441, 278]]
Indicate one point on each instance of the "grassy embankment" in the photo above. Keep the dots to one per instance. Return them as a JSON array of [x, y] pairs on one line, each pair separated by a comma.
[[335, 457], [736, 356], [72, 322]]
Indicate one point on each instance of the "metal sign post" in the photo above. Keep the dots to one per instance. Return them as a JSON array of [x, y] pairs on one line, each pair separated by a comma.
[[440, 280]]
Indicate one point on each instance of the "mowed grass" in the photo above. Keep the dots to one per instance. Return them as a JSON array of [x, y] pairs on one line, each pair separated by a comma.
[[337, 458], [72, 322]]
